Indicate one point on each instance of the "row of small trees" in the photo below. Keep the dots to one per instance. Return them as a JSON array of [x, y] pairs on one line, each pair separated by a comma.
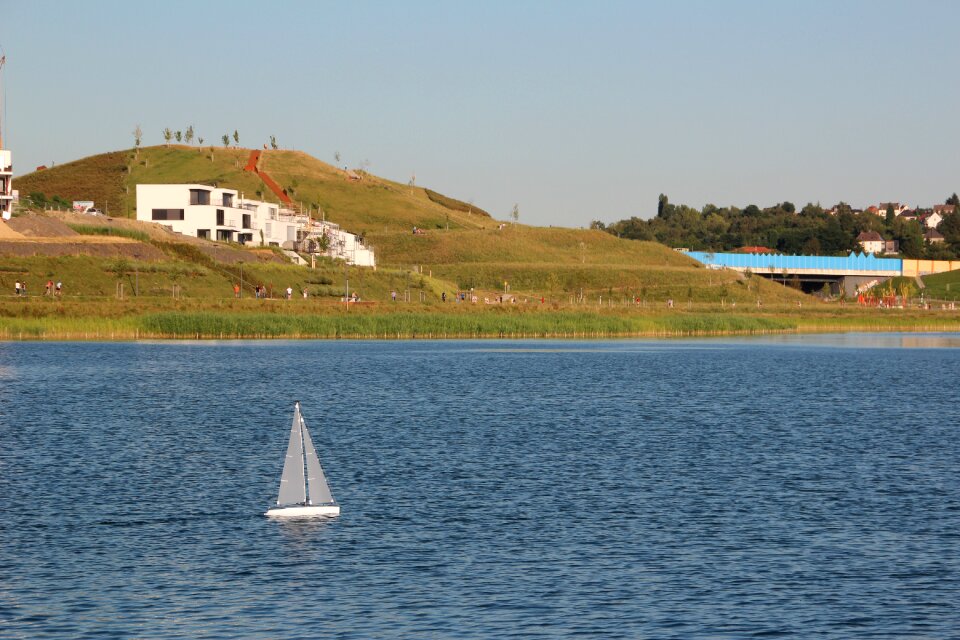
[[189, 135]]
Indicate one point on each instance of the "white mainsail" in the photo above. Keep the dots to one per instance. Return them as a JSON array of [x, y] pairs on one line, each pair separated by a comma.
[[292, 487]]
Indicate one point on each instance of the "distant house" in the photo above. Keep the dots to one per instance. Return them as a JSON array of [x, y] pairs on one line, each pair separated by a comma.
[[871, 242], [898, 208], [944, 209], [931, 219], [932, 236], [891, 246], [875, 210]]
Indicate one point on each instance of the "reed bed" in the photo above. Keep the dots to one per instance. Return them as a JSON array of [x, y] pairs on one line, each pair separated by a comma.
[[251, 319], [450, 325]]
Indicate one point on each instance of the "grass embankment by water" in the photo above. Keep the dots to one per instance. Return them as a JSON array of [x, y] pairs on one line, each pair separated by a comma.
[[321, 319]]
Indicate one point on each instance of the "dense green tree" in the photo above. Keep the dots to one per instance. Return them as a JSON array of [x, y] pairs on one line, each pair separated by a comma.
[[813, 231], [910, 236], [662, 203]]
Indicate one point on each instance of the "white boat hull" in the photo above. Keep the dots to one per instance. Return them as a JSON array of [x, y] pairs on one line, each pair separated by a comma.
[[326, 510]]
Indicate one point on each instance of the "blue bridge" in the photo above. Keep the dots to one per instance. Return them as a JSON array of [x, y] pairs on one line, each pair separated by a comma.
[[849, 272]]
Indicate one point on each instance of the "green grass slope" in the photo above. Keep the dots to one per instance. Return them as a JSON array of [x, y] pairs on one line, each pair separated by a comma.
[[463, 248], [368, 204], [101, 178]]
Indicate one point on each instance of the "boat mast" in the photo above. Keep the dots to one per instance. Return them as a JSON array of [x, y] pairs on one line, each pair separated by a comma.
[[303, 457]]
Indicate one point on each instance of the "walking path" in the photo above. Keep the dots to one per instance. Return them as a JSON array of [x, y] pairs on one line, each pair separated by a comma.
[[253, 166]]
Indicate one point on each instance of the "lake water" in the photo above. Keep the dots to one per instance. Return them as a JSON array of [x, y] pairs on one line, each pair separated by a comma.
[[797, 486]]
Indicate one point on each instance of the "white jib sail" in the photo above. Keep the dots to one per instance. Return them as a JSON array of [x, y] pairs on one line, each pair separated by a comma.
[[293, 489], [319, 490]]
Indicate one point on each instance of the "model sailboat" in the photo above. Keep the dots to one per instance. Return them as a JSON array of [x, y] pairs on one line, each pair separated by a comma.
[[303, 495]]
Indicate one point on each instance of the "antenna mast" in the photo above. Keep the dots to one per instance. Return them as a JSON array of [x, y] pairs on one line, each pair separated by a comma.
[[3, 59]]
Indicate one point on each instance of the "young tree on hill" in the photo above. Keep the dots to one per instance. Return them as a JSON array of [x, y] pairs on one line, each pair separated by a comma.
[[336, 157], [515, 214], [137, 137], [200, 141], [236, 138], [167, 134], [226, 140], [188, 136], [273, 142], [179, 135]]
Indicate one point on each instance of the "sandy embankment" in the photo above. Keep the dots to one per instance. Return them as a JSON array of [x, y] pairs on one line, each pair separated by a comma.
[[26, 236]]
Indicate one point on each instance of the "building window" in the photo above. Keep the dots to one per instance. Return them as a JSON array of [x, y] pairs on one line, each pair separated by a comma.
[[167, 214], [246, 221], [224, 236], [220, 218], [203, 233], [267, 225], [199, 196], [228, 199]]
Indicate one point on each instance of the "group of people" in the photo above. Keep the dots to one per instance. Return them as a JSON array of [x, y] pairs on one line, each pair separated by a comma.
[[261, 291], [20, 288]]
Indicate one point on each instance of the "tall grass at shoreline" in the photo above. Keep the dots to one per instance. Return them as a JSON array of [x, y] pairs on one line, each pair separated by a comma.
[[201, 325]]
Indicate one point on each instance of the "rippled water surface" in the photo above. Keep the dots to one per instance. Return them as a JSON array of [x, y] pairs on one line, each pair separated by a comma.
[[677, 489]]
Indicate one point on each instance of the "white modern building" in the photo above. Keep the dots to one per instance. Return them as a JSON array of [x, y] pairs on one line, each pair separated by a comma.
[[6, 184], [215, 213]]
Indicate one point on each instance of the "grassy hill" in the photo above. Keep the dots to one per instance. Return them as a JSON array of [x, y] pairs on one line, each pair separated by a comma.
[[364, 205], [463, 247]]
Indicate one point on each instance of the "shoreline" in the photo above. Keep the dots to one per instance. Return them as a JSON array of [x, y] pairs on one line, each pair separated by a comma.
[[175, 326]]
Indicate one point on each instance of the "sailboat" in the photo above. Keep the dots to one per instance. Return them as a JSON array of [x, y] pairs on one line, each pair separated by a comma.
[[293, 499]]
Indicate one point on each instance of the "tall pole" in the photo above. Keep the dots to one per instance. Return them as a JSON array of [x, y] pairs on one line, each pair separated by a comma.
[[3, 60], [241, 279]]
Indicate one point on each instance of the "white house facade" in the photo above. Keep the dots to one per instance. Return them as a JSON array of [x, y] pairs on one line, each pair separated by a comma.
[[871, 242], [6, 184], [224, 215]]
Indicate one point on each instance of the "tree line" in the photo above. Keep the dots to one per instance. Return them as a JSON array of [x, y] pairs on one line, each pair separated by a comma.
[[809, 231]]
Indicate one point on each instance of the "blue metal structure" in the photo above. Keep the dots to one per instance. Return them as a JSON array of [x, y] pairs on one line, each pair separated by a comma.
[[774, 262]]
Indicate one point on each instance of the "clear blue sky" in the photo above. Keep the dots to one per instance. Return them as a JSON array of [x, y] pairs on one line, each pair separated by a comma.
[[574, 110]]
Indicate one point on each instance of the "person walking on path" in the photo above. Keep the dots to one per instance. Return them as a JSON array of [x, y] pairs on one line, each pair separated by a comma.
[[49, 290], [236, 290], [289, 293], [393, 295], [16, 288], [59, 288]]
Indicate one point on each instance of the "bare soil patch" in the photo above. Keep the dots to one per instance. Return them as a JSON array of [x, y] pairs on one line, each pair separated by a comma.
[[6, 233], [36, 226]]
